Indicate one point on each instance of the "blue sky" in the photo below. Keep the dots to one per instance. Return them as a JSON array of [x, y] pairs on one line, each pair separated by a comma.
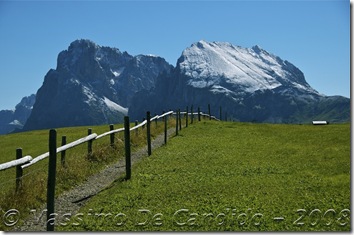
[[313, 35]]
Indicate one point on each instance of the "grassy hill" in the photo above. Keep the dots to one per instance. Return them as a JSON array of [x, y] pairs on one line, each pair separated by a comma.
[[222, 176]]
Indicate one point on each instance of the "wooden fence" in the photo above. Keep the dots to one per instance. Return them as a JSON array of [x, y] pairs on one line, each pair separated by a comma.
[[23, 162]]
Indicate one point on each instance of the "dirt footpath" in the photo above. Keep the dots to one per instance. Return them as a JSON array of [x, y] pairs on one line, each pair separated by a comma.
[[71, 201]]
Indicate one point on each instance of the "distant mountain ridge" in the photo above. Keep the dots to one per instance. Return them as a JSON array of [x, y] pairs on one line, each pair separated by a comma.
[[14, 120], [95, 85], [250, 84]]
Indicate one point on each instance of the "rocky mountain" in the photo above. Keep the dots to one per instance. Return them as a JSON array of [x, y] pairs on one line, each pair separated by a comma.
[[95, 85], [14, 120], [92, 85], [250, 84]]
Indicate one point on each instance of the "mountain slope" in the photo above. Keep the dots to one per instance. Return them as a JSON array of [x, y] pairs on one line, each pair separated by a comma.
[[95, 85], [250, 84], [92, 85], [11, 120], [249, 69]]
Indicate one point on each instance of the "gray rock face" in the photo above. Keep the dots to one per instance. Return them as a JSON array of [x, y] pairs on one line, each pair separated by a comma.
[[14, 120], [95, 85], [140, 74], [250, 84], [92, 85]]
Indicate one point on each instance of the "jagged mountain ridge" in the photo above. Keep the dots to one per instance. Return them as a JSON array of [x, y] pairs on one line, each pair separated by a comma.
[[250, 69], [14, 120], [92, 85], [95, 85], [250, 84]]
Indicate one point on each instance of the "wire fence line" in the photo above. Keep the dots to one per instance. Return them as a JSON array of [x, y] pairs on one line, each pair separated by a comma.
[[31, 173]]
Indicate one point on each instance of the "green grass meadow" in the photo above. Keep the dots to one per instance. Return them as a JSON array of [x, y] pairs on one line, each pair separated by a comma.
[[224, 176], [78, 166]]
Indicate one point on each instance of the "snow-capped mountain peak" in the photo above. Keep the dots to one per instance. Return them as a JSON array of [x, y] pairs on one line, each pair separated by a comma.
[[250, 84], [209, 64]]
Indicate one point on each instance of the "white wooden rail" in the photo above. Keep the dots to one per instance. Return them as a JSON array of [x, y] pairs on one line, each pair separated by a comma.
[[137, 126], [14, 163], [60, 149], [201, 114], [109, 132], [28, 160]]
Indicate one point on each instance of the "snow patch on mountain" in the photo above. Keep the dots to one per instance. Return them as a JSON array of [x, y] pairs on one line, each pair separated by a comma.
[[92, 97], [210, 63], [117, 72], [219, 89], [89, 94], [114, 106], [16, 123]]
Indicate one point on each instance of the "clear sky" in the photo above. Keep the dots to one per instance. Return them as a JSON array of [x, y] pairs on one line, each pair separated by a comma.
[[313, 35]]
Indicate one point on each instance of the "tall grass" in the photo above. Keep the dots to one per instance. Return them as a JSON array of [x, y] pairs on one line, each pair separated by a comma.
[[218, 176], [78, 165]]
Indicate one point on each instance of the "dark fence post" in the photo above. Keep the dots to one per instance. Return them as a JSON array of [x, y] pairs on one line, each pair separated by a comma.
[[148, 132], [187, 116], [192, 116], [127, 148], [199, 114], [209, 111], [19, 171], [176, 122], [179, 119], [63, 153], [165, 130], [89, 143], [155, 121], [51, 179], [136, 130], [111, 128], [220, 113], [143, 125]]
